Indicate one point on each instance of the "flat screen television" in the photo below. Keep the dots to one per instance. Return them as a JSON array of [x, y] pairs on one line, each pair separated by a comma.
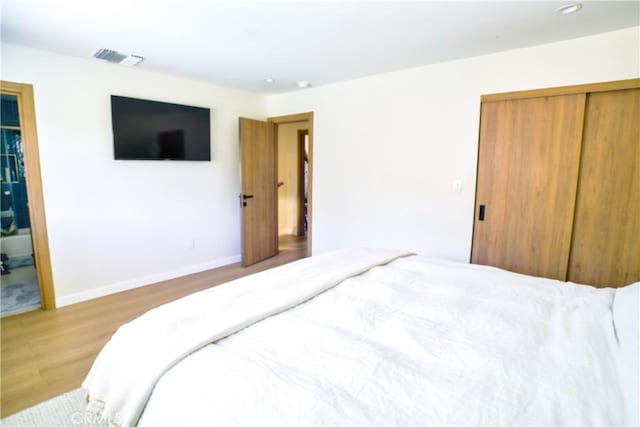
[[152, 130]]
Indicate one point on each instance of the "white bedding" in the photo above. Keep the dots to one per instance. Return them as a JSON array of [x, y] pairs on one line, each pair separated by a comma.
[[416, 342], [139, 353], [626, 319]]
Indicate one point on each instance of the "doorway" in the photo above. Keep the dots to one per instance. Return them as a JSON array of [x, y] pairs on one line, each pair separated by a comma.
[[294, 135], [261, 186], [292, 141], [26, 269]]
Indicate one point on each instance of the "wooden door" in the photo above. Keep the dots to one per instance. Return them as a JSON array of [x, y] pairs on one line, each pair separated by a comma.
[[606, 239], [527, 175], [258, 198]]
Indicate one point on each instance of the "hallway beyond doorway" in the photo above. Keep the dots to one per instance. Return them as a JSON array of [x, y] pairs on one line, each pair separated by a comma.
[[289, 242]]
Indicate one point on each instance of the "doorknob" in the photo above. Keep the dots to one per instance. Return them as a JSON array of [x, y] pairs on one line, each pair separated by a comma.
[[244, 197]]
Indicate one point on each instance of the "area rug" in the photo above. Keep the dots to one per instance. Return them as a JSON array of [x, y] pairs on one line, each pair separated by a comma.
[[65, 410], [18, 296]]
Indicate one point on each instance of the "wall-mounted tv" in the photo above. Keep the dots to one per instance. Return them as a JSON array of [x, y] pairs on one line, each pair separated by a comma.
[[152, 130]]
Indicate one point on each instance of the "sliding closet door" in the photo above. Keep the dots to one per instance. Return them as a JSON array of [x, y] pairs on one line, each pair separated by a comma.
[[606, 237], [527, 182]]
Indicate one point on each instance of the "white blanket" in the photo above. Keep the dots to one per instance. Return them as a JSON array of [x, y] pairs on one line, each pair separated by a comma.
[[415, 342], [128, 367]]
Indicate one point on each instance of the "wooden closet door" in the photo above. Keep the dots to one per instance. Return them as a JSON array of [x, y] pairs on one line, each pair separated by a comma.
[[606, 237], [527, 176]]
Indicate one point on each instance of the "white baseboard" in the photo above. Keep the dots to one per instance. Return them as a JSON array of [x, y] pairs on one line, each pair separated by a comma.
[[62, 301]]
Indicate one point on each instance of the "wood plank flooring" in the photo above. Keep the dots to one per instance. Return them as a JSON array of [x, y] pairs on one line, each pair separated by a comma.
[[46, 353]]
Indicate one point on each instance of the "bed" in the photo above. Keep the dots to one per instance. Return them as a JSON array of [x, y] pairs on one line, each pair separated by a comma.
[[376, 337]]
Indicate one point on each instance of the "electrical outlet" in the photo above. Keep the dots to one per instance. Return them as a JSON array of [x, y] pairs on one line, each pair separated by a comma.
[[190, 244]]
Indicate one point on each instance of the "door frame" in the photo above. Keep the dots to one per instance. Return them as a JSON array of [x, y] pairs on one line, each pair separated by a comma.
[[291, 118], [38, 224]]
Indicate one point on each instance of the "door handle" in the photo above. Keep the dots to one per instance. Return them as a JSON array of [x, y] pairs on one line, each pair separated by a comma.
[[244, 197], [481, 213]]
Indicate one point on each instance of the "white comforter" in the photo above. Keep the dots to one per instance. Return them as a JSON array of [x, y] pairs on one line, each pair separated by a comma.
[[415, 342], [135, 358]]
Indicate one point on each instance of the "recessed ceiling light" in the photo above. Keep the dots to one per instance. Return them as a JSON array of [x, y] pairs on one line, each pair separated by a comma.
[[303, 83], [569, 8], [268, 79]]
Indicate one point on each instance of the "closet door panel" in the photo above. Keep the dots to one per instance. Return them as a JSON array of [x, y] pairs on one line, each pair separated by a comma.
[[527, 176], [606, 238]]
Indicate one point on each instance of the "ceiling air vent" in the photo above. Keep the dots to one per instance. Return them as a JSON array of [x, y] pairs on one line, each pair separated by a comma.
[[117, 57], [110, 55]]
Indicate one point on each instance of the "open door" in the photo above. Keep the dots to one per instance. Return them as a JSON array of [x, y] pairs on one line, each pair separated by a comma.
[[258, 198]]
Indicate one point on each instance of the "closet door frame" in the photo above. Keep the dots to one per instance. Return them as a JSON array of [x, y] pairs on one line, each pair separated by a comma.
[[564, 90]]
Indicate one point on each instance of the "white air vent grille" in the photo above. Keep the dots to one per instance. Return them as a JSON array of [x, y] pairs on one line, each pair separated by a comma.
[[110, 56], [132, 60], [118, 58]]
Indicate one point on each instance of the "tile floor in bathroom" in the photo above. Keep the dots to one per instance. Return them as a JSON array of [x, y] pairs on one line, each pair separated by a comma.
[[19, 290]]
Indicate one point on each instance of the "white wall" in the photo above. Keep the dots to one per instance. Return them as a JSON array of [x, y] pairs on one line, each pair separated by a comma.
[[387, 147], [118, 224]]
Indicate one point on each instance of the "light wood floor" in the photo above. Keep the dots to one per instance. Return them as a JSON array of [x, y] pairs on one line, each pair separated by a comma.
[[46, 353]]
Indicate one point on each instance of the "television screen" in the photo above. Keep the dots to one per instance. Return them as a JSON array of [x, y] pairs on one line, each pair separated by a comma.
[[151, 130]]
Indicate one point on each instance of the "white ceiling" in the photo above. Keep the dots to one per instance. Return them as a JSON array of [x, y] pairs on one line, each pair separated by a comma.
[[239, 44]]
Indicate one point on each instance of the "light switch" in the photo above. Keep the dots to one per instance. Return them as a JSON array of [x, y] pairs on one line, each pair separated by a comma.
[[456, 186]]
